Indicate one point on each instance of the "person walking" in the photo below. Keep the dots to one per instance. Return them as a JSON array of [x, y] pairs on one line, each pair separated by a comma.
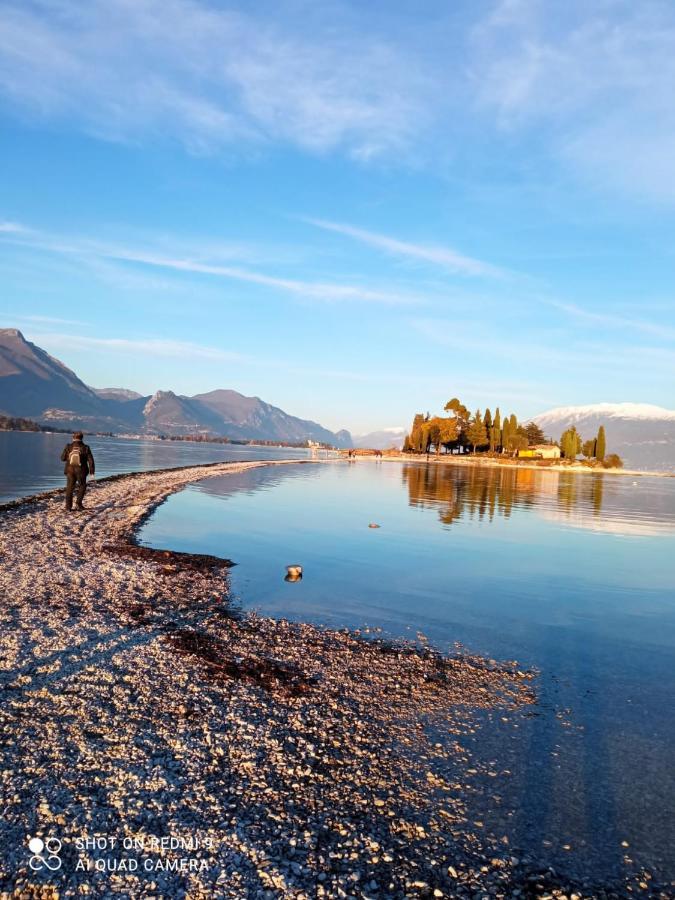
[[79, 462]]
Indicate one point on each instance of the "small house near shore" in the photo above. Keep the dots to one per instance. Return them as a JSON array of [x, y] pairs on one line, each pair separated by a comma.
[[540, 451]]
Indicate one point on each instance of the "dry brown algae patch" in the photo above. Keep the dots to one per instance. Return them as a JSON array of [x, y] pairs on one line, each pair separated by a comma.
[[284, 759]]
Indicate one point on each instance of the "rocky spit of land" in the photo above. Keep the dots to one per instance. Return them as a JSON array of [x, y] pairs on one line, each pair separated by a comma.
[[176, 748]]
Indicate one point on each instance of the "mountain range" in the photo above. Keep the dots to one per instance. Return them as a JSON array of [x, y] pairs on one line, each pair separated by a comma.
[[35, 385], [642, 434]]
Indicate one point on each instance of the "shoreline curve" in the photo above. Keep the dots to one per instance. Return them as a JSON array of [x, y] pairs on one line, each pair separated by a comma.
[[291, 760]]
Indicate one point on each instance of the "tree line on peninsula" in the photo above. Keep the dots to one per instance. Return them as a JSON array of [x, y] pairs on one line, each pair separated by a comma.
[[462, 432]]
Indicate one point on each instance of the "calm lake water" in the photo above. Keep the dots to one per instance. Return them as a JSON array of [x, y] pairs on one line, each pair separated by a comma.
[[573, 574], [30, 462]]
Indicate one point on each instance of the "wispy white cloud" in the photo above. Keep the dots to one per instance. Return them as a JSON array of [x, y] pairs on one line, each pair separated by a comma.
[[211, 76], [125, 278], [552, 354], [151, 346], [185, 350], [610, 320], [311, 290], [11, 228], [446, 257], [596, 81], [41, 320]]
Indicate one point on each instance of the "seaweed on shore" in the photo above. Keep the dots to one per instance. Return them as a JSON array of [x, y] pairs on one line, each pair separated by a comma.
[[173, 560], [264, 671]]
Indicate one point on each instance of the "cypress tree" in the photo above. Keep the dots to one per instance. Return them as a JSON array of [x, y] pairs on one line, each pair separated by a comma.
[[566, 444], [600, 446], [416, 433], [496, 435], [570, 443], [426, 436], [506, 435]]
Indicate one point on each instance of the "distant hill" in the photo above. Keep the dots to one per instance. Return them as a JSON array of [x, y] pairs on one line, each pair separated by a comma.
[[169, 413], [344, 438], [381, 440], [642, 434], [251, 417], [34, 384], [32, 381], [117, 394]]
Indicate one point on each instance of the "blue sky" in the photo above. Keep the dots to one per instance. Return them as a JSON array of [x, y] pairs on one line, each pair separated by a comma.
[[354, 211]]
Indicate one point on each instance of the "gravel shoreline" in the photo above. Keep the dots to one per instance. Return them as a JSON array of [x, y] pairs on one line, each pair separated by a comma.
[[213, 754]]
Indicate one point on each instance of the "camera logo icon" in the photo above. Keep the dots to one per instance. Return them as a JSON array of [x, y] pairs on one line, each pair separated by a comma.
[[45, 854]]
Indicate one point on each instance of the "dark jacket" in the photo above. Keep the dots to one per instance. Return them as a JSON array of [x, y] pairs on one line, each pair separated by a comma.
[[86, 456]]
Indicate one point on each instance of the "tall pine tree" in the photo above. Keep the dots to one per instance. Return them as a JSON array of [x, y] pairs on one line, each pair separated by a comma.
[[476, 433], [534, 433]]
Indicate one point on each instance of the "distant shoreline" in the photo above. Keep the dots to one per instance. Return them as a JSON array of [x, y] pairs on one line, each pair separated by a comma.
[[159, 438], [491, 463], [444, 458]]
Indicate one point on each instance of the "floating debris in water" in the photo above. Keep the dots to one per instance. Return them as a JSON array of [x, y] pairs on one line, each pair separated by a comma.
[[293, 573]]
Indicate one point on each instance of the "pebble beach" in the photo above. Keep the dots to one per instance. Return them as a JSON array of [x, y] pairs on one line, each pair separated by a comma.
[[173, 745]]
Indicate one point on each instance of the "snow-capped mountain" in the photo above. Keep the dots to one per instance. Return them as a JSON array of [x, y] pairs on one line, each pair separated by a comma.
[[381, 440], [610, 410], [642, 434]]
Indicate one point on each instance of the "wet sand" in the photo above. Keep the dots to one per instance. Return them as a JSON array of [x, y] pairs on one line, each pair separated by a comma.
[[283, 759]]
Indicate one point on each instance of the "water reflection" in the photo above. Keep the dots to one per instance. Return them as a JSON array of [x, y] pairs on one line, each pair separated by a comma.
[[598, 502], [31, 462], [503, 561], [464, 493]]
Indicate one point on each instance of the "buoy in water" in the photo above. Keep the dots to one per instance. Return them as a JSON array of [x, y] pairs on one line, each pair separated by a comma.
[[373, 525], [293, 573]]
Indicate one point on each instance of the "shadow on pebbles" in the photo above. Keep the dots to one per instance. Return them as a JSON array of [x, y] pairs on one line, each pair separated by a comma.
[[178, 748]]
